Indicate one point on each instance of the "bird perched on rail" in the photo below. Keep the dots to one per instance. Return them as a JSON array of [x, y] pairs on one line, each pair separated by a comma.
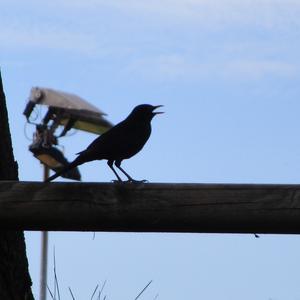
[[121, 142]]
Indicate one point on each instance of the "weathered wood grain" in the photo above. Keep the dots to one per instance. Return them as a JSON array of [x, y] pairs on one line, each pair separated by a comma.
[[150, 207]]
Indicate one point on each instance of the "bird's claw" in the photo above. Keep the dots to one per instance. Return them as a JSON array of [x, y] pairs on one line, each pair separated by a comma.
[[130, 181], [133, 181], [116, 181]]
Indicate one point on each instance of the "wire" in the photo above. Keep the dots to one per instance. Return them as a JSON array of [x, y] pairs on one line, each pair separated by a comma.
[[26, 134], [35, 114], [71, 132], [143, 290], [62, 147]]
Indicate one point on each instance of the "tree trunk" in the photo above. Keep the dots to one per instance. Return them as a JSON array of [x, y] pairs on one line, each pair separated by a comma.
[[15, 282]]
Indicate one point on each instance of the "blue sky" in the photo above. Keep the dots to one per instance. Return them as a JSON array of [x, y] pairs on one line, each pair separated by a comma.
[[228, 75]]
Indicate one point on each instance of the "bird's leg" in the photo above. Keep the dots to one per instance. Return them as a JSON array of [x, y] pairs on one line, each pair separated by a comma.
[[110, 164], [130, 179], [118, 165]]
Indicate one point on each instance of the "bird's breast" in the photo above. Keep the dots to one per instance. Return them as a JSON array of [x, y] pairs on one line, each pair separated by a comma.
[[135, 141], [123, 141]]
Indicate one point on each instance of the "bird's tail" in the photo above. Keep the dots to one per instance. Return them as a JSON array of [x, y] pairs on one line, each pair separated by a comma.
[[78, 161]]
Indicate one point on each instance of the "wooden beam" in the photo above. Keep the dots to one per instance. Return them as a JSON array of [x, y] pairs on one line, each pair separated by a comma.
[[150, 207], [15, 281]]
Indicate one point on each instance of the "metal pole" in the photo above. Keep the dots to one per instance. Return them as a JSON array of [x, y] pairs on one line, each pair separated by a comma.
[[44, 254]]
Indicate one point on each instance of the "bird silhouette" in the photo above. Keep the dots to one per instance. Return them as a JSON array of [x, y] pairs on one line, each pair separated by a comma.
[[121, 142]]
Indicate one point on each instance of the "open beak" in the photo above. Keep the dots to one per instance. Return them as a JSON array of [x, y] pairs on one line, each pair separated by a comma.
[[157, 112]]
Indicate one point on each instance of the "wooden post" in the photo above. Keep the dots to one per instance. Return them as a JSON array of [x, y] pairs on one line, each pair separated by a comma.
[[44, 251], [150, 207], [15, 282]]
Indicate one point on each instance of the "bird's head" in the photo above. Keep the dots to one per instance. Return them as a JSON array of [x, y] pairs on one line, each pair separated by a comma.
[[145, 111]]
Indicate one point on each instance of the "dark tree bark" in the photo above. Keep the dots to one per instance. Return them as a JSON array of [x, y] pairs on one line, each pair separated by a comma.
[[15, 282]]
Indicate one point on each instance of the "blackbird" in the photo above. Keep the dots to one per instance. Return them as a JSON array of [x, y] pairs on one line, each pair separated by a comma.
[[122, 141]]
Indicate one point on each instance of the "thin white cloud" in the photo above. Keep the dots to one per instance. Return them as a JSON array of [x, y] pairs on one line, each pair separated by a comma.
[[144, 54], [176, 67], [208, 13], [257, 69], [46, 38], [205, 15]]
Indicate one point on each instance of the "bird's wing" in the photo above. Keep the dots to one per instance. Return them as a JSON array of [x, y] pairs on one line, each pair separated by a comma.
[[109, 141], [122, 141]]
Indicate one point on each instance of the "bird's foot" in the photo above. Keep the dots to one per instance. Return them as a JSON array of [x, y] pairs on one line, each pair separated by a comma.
[[136, 181], [130, 181], [116, 181]]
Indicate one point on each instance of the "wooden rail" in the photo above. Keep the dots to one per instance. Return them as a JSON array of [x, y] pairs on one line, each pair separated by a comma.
[[150, 207]]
